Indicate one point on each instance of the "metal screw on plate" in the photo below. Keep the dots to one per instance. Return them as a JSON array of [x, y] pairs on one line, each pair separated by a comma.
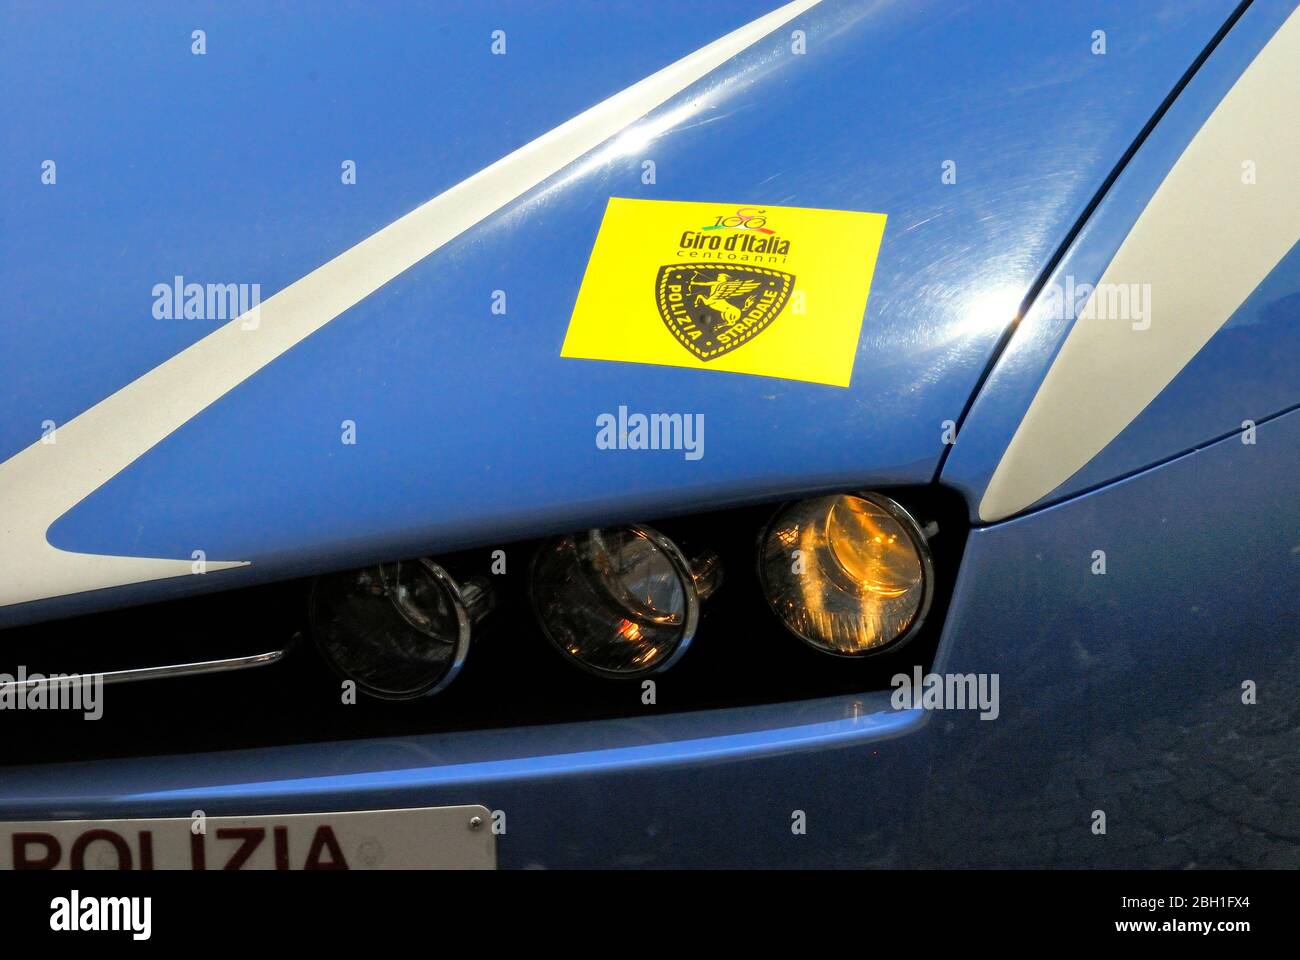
[[475, 822]]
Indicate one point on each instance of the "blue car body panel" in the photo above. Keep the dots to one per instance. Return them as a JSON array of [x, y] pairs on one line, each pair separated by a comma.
[[470, 427], [1249, 370]]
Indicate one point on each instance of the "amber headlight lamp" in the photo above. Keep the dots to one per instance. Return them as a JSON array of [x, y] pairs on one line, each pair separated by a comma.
[[849, 574]]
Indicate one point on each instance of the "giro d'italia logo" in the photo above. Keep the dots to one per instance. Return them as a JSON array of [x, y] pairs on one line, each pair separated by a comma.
[[713, 308]]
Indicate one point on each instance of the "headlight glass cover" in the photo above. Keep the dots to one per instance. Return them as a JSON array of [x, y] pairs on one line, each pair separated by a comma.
[[850, 574], [399, 630], [620, 601]]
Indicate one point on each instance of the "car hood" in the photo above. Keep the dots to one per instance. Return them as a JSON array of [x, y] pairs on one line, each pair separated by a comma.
[[437, 412]]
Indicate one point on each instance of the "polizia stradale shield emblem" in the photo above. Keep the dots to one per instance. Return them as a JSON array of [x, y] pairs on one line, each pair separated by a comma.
[[713, 308]]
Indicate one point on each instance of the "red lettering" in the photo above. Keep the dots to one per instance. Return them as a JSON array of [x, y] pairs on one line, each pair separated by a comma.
[[77, 856], [324, 840], [252, 837], [24, 861], [281, 848]]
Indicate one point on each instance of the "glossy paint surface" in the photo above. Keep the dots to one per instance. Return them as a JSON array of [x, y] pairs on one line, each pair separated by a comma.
[[1250, 369], [1121, 692], [470, 428]]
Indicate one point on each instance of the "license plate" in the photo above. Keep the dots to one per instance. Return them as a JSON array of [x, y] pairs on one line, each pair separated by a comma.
[[423, 838]]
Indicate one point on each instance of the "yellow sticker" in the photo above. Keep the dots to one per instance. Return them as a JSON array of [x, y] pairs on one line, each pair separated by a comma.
[[773, 291]]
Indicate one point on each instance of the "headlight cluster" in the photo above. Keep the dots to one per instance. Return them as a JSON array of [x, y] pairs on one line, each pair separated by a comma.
[[849, 574]]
